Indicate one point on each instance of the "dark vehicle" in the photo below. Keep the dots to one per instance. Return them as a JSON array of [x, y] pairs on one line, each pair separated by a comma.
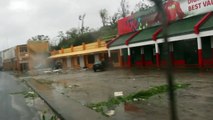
[[58, 65], [98, 66]]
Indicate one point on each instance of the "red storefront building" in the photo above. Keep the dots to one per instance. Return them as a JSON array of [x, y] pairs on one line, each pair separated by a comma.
[[190, 35]]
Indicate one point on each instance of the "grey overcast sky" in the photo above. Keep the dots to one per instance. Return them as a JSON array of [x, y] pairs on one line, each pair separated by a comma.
[[23, 19]]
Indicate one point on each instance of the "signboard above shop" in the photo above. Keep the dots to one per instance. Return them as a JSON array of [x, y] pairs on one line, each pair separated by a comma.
[[175, 9]]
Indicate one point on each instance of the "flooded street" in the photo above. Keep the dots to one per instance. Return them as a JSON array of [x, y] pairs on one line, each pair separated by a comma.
[[14, 107], [19, 102], [86, 87]]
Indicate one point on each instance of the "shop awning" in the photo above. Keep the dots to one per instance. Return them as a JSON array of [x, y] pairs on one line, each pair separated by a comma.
[[121, 40], [208, 25], [185, 26], [144, 35], [84, 52], [177, 28]]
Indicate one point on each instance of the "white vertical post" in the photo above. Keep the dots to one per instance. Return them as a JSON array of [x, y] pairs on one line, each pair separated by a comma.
[[121, 53], [212, 42], [129, 53], [200, 55], [69, 62], [199, 42], [81, 61], [156, 48], [157, 54], [109, 53]]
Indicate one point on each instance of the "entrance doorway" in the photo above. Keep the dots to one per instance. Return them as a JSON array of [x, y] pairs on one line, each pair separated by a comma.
[[190, 52]]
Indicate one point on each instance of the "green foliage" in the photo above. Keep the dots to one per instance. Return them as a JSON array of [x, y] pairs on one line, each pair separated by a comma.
[[74, 36], [39, 38]]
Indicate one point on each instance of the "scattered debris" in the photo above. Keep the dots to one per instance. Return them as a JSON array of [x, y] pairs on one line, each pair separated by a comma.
[[118, 94], [110, 113], [135, 99], [73, 86], [47, 72], [57, 71], [141, 95], [30, 94]]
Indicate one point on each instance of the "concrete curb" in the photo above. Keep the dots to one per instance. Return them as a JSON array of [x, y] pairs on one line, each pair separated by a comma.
[[52, 108], [73, 110]]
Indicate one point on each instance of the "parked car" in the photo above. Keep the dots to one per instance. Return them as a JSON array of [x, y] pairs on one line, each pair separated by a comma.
[[99, 65], [58, 65]]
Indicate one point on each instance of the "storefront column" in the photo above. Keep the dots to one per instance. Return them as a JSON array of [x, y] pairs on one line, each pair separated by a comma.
[[97, 58], [142, 56], [129, 57], [121, 58], [109, 56], [64, 61], [157, 54], [69, 62], [200, 53], [212, 45], [171, 49], [82, 62]]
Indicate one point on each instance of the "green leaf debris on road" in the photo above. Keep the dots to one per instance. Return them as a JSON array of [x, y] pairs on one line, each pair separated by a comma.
[[138, 96]]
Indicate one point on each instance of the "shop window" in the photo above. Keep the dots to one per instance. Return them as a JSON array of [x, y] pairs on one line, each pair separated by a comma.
[[148, 52], [78, 60], [23, 49], [179, 50], [91, 59], [206, 46], [163, 52], [125, 55], [135, 55]]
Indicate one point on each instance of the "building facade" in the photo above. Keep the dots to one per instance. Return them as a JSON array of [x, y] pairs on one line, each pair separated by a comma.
[[9, 59], [83, 56], [38, 53], [31, 56], [22, 57], [141, 43], [1, 60]]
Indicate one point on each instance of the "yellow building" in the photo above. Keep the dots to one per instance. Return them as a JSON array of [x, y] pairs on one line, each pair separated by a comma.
[[83, 56]]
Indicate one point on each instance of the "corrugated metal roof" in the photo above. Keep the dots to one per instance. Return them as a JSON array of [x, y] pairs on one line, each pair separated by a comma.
[[121, 40], [144, 35], [181, 27]]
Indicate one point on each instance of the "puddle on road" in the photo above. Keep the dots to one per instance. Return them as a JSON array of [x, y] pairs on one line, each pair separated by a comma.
[[43, 110], [63, 87], [34, 102]]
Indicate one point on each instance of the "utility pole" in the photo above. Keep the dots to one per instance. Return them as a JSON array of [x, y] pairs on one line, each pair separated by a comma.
[[81, 18]]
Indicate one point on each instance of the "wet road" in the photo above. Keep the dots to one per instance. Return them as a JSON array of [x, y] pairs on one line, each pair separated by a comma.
[[13, 106]]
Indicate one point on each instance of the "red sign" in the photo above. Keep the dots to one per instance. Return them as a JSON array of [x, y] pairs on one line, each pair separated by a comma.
[[175, 9]]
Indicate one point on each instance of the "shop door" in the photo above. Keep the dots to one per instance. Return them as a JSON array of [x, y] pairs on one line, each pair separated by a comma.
[[190, 52], [135, 55]]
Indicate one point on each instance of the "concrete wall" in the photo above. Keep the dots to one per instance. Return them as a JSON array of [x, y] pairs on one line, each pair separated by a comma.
[[9, 53], [1, 59], [38, 54]]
